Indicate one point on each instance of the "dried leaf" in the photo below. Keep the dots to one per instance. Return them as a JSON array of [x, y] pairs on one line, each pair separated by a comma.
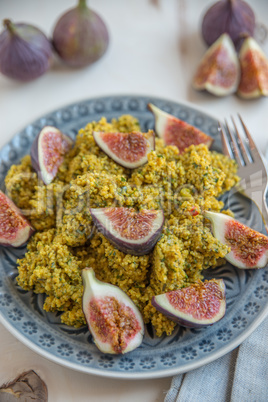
[[27, 387]]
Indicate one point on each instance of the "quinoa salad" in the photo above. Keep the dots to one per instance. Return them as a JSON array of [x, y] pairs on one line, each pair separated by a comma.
[[66, 241]]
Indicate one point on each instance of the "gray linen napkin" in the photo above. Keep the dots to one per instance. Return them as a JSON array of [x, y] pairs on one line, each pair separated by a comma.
[[239, 376]]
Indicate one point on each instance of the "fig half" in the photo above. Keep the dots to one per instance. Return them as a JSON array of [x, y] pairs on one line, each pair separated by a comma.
[[195, 306], [47, 152], [15, 229], [254, 70], [177, 132], [113, 319], [131, 232], [249, 248], [219, 69], [127, 149]]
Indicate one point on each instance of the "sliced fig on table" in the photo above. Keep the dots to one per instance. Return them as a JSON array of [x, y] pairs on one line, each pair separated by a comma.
[[131, 232], [254, 70], [195, 306], [15, 229], [249, 248], [177, 132], [127, 149], [219, 69], [48, 150], [113, 319]]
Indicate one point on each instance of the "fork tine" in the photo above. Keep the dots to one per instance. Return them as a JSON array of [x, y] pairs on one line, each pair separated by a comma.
[[240, 142], [251, 143], [234, 146], [225, 142]]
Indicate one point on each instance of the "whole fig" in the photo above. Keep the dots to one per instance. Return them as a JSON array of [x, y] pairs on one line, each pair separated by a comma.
[[80, 36], [234, 17], [25, 52]]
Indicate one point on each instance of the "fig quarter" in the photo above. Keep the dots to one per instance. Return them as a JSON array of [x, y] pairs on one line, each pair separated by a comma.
[[248, 248], [195, 306]]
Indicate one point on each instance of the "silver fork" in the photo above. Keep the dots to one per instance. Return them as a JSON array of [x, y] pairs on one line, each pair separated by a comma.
[[251, 166]]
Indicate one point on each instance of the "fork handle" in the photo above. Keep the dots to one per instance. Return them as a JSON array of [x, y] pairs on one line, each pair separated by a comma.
[[263, 211]]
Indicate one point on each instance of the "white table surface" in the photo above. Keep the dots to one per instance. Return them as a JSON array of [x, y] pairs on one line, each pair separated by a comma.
[[153, 51]]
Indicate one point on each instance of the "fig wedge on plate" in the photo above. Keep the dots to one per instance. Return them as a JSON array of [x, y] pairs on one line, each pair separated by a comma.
[[131, 232], [15, 229], [254, 70], [249, 248], [47, 152], [195, 306], [219, 69], [177, 132], [127, 149], [113, 319]]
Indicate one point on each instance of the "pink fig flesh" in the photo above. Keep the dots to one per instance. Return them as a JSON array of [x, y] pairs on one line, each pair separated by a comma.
[[47, 152], [127, 149], [131, 232], [254, 70], [113, 319], [195, 306], [15, 229], [177, 132], [248, 248], [219, 70]]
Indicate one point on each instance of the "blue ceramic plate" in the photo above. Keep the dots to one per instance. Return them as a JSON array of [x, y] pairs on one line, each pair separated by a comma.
[[22, 314]]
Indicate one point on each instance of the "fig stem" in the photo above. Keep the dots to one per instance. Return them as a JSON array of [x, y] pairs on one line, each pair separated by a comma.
[[8, 25], [82, 3]]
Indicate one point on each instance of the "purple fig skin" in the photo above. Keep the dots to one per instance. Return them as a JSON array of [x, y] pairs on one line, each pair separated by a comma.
[[23, 233], [80, 36], [144, 247], [35, 156], [234, 17], [161, 303], [25, 52]]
